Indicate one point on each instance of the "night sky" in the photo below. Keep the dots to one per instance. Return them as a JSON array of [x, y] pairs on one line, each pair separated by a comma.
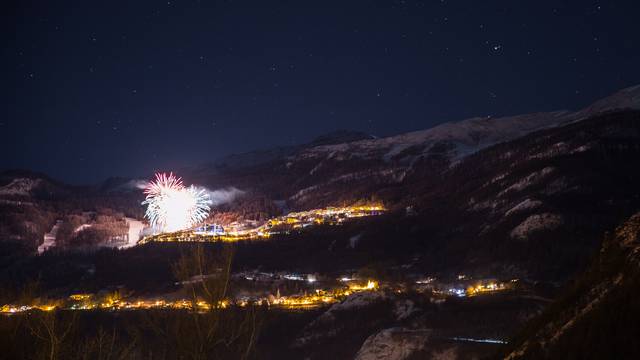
[[110, 88]]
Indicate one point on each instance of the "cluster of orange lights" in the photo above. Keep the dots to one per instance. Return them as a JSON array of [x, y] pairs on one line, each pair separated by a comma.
[[294, 220], [87, 302], [315, 299], [485, 288]]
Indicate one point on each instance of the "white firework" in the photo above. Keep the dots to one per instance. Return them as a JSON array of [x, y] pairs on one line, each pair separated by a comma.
[[171, 206], [201, 204]]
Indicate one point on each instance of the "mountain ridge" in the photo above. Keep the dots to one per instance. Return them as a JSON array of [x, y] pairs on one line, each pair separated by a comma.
[[463, 137]]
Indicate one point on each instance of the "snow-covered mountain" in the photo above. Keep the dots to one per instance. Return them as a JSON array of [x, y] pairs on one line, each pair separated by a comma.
[[347, 165], [264, 156], [465, 137], [27, 184], [460, 138], [628, 98], [455, 139], [20, 187]]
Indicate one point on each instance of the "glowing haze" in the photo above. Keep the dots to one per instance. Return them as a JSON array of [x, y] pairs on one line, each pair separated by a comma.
[[171, 206]]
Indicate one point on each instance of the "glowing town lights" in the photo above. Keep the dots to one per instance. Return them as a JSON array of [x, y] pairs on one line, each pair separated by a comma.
[[294, 221], [171, 206], [319, 297], [113, 302], [79, 297], [371, 285]]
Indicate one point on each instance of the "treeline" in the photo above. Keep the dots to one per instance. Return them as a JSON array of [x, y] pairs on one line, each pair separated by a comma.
[[249, 206], [91, 228], [25, 223], [28, 219]]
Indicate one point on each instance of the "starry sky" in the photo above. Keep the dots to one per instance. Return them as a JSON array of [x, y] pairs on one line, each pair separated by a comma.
[[93, 89]]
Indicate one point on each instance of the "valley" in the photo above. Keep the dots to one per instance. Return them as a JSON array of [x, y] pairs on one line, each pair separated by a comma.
[[459, 241]]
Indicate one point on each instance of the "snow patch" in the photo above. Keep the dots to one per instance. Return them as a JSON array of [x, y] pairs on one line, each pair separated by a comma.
[[554, 150], [557, 186], [536, 223], [135, 231], [529, 180], [484, 205], [402, 309], [50, 238], [353, 241], [82, 227], [316, 168], [353, 301], [498, 178], [20, 186], [526, 204], [581, 149]]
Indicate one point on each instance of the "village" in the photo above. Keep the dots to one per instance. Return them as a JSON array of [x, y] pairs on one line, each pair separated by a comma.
[[294, 221], [314, 292]]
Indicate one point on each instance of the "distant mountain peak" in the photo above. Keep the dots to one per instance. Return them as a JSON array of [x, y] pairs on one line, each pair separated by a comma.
[[340, 136], [628, 98], [453, 140]]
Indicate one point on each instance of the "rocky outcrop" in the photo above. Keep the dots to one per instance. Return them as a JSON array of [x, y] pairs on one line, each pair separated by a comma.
[[393, 344]]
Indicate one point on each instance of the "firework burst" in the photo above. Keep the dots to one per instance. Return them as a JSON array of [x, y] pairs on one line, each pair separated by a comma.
[[171, 206]]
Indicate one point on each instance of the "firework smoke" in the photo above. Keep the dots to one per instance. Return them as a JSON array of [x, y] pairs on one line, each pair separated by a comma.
[[223, 196]]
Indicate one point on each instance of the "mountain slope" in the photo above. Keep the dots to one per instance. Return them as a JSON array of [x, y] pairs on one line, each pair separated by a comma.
[[264, 156], [533, 208], [539, 203], [495, 185], [625, 99], [318, 173], [467, 136], [598, 317]]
